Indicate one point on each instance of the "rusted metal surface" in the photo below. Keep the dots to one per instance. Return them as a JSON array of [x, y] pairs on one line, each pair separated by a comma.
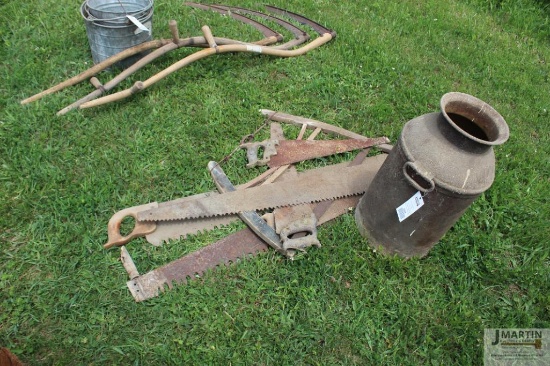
[[326, 183], [172, 230], [294, 151], [252, 219], [299, 35], [8, 359], [302, 20], [448, 160], [329, 210], [265, 30], [231, 248], [224, 251]]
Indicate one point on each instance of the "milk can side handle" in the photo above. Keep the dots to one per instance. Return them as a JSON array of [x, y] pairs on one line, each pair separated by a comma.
[[417, 178]]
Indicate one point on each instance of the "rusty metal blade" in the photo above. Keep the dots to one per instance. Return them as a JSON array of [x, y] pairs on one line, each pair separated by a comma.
[[293, 151], [226, 250], [229, 249], [318, 185], [301, 19], [171, 230], [297, 32], [265, 30], [300, 36]]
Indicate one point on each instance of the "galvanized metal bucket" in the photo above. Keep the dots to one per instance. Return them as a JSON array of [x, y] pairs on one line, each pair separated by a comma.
[[112, 9], [113, 26], [441, 163]]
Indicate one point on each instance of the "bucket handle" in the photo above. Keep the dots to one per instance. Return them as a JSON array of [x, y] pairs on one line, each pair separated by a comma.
[[417, 178]]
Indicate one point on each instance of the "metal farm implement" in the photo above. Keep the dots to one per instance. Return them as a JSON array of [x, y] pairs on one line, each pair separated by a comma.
[[293, 204], [270, 44]]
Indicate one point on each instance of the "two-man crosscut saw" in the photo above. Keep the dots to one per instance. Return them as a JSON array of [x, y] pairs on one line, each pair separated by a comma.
[[211, 209], [158, 232], [326, 183], [233, 247], [242, 243]]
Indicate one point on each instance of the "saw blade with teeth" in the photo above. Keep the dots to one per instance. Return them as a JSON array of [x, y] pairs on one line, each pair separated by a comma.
[[317, 185]]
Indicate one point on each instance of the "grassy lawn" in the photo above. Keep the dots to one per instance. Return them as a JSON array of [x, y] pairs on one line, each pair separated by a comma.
[[64, 300]]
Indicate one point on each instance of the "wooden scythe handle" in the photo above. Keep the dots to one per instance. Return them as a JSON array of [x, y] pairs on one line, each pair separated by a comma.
[[96, 69], [251, 48]]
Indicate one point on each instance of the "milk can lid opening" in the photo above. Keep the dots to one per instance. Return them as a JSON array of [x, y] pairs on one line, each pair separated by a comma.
[[474, 118]]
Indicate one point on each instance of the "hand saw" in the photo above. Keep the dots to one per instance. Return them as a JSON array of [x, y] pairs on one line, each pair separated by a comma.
[[236, 246], [160, 231], [226, 250], [283, 152], [157, 232], [326, 183]]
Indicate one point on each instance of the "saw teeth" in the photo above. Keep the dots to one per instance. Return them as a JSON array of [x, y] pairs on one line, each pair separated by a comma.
[[236, 246], [295, 203], [312, 186]]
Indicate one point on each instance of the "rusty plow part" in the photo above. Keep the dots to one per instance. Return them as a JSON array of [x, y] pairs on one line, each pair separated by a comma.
[[325, 36]]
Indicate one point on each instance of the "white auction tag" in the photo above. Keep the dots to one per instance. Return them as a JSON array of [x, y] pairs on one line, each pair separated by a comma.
[[410, 207], [254, 48], [137, 23]]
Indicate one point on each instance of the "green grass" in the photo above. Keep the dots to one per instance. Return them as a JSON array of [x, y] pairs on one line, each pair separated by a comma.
[[63, 299]]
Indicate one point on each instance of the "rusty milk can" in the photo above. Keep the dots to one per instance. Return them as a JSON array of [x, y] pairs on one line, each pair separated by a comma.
[[441, 163]]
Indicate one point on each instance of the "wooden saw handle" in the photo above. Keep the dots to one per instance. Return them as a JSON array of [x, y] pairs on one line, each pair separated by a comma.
[[140, 228]]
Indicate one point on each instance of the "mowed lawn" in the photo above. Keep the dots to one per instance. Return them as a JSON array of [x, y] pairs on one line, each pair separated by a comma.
[[63, 298]]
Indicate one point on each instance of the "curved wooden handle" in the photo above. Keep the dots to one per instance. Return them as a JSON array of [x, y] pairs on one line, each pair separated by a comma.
[[140, 228], [245, 47]]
